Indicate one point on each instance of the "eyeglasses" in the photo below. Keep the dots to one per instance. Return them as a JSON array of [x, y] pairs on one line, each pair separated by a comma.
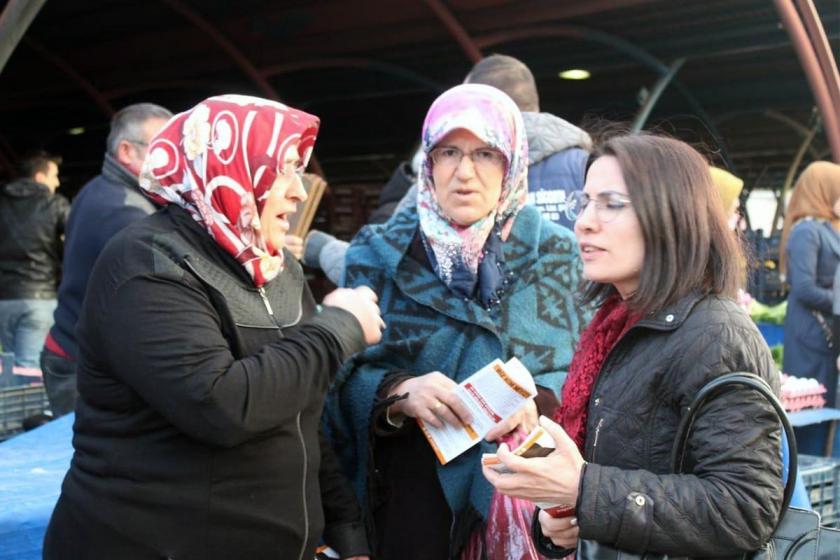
[[289, 169], [482, 158], [608, 205], [137, 142]]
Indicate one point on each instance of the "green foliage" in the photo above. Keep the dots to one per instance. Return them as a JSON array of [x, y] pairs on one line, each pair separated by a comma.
[[761, 313]]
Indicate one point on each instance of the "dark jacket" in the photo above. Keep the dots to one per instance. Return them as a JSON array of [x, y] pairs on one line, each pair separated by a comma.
[[32, 222], [557, 155], [104, 206], [392, 193], [196, 433], [628, 496], [813, 253]]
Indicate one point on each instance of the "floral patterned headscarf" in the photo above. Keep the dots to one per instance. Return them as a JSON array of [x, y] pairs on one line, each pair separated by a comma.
[[218, 161], [494, 118]]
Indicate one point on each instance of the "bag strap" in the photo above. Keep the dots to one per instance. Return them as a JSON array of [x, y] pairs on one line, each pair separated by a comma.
[[714, 388]]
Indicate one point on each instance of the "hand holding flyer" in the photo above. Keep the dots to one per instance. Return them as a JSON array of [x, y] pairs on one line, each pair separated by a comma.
[[538, 443], [493, 394]]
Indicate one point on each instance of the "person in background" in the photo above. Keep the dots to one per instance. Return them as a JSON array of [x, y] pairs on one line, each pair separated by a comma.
[[664, 268], [105, 205], [203, 361], [325, 251], [729, 188], [557, 154], [466, 274], [811, 242], [32, 221]]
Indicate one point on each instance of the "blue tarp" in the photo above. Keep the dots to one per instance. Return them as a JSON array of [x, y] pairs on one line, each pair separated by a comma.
[[32, 466]]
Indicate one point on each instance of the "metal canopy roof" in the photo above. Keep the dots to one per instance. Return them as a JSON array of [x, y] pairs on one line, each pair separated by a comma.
[[370, 69]]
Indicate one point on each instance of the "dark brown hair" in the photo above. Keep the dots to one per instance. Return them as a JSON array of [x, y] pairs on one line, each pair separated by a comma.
[[688, 245], [37, 162]]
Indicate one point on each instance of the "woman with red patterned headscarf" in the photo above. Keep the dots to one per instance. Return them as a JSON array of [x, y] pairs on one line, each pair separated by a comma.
[[204, 360]]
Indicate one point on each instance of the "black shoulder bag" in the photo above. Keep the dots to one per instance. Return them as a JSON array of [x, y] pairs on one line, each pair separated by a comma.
[[797, 536]]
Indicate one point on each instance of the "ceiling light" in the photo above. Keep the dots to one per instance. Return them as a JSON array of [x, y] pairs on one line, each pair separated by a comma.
[[76, 131], [574, 74]]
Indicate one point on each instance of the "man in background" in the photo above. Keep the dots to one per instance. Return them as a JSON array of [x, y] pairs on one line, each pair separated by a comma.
[[32, 220], [105, 205]]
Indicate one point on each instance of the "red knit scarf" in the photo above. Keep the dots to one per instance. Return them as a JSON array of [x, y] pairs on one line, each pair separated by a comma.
[[612, 320]]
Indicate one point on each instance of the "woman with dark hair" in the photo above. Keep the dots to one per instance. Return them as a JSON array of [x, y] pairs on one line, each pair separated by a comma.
[[811, 241], [204, 360], [467, 274], [664, 268]]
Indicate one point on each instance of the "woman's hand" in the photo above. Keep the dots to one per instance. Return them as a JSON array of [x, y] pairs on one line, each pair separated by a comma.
[[361, 303], [295, 246], [524, 419], [431, 398], [563, 531], [552, 479]]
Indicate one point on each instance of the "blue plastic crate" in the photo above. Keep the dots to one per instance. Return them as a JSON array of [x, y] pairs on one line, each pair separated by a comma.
[[20, 398], [773, 334], [822, 483]]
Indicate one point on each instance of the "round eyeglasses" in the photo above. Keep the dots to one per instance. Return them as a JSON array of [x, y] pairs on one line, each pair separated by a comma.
[[483, 158], [608, 205]]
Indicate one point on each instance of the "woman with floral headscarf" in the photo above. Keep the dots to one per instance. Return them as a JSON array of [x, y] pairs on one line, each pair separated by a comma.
[[204, 362], [468, 274], [811, 242]]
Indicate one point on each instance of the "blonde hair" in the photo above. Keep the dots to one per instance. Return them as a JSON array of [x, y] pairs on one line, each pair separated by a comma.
[[729, 187]]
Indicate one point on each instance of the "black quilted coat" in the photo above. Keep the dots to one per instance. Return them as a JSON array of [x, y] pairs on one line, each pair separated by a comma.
[[731, 501]]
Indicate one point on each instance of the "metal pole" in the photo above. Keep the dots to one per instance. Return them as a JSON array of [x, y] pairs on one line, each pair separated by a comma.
[[794, 165], [655, 94], [805, 52], [14, 21]]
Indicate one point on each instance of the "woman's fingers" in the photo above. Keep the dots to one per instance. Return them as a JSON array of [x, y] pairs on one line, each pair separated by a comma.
[[460, 414], [563, 531]]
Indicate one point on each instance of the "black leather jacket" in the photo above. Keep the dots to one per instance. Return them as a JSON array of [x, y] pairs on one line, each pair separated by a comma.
[[31, 224], [628, 497]]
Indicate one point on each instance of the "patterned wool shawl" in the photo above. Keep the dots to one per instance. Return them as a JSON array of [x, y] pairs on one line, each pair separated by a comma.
[[538, 320], [218, 161], [492, 117]]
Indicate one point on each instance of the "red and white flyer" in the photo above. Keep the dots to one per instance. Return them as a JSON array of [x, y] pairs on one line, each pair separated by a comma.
[[492, 394]]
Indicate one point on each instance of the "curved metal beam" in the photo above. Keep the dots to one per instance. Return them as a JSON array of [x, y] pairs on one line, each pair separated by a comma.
[[238, 57], [811, 66], [822, 50], [15, 20], [622, 45], [225, 44], [655, 94], [574, 32], [360, 63], [68, 70], [801, 129], [456, 30]]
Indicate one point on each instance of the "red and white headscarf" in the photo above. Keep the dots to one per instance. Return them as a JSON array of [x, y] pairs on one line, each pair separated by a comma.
[[218, 161]]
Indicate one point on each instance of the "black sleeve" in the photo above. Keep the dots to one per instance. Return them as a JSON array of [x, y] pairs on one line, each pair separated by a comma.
[[164, 340], [62, 209], [344, 529]]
